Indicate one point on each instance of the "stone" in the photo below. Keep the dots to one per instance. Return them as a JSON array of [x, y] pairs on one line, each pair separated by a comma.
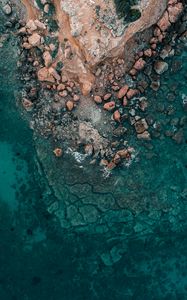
[[44, 75], [155, 85], [34, 39], [123, 153], [54, 73], [47, 58], [69, 105], [64, 79], [175, 11], [97, 99], [109, 106], [26, 45], [125, 102], [131, 93], [31, 25], [88, 149], [117, 116], [139, 64], [111, 165], [7, 9], [60, 87], [107, 96], [122, 92], [40, 25], [46, 8], [58, 152], [141, 126], [27, 104], [179, 136], [116, 159], [144, 136], [148, 52], [164, 22], [160, 67], [76, 98]]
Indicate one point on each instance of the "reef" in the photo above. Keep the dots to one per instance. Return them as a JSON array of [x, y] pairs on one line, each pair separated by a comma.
[[86, 73]]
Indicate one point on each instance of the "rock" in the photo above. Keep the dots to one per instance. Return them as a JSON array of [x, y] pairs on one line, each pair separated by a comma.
[[139, 64], [148, 52], [40, 25], [64, 79], [109, 106], [60, 87], [97, 99], [104, 162], [88, 149], [179, 136], [117, 116], [70, 105], [143, 104], [160, 67], [44, 75], [76, 98], [123, 153], [111, 165], [155, 85], [46, 8], [116, 159], [122, 92], [54, 73], [58, 152], [133, 72], [144, 136], [125, 102], [31, 25], [26, 45], [175, 11], [47, 58], [107, 96], [27, 104], [164, 22], [131, 93], [34, 39], [7, 9], [141, 126]]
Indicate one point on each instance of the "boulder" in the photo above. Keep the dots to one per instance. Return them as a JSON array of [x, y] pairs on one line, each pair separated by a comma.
[[117, 116], [122, 92], [44, 75], [141, 126], [7, 9], [144, 136], [47, 58], [34, 40], [107, 96], [58, 152], [139, 64], [132, 93], [109, 106], [175, 11], [70, 105], [97, 99], [164, 22], [31, 25], [160, 67]]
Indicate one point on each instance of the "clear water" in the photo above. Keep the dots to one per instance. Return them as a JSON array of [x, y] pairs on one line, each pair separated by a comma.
[[138, 254]]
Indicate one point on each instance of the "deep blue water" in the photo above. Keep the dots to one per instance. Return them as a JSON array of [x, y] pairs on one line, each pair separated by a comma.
[[145, 258]]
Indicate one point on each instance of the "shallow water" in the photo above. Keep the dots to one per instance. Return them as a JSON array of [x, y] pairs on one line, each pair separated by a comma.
[[135, 249]]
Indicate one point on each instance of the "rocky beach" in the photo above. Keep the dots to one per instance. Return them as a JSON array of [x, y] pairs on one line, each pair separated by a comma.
[[93, 149]]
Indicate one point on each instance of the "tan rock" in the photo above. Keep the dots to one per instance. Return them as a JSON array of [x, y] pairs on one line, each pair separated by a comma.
[[175, 11], [139, 64], [88, 149], [40, 25], [123, 153], [70, 105], [132, 93], [61, 87], [44, 75], [148, 52], [31, 25], [97, 99], [76, 98], [47, 58], [125, 102], [27, 104], [116, 159], [117, 116], [111, 165], [26, 45], [58, 152], [122, 92], [107, 96], [64, 79], [164, 22], [109, 106], [34, 39], [54, 73]]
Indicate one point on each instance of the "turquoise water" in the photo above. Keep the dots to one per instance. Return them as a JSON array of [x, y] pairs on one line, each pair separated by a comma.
[[68, 233]]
